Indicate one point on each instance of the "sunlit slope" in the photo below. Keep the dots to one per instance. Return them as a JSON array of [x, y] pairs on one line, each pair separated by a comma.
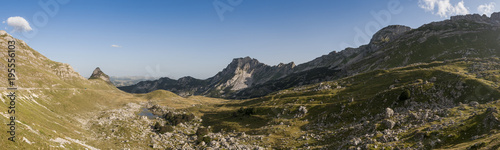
[[446, 105]]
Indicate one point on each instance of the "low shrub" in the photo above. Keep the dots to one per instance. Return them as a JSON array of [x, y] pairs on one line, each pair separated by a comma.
[[405, 95], [165, 129], [201, 132], [175, 119], [244, 112]]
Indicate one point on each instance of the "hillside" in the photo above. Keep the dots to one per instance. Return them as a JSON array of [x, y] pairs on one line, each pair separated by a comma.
[[52, 101], [470, 36]]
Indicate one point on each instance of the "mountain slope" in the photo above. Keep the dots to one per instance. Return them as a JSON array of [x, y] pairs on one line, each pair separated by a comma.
[[239, 74], [392, 46], [460, 37], [53, 102], [450, 104]]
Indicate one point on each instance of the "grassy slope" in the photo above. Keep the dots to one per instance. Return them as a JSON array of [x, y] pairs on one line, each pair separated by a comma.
[[51, 102]]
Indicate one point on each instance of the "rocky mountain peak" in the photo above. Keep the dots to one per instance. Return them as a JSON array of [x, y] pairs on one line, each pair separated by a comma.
[[495, 16], [389, 33], [494, 19], [98, 74], [470, 17], [239, 62], [3, 32], [289, 65]]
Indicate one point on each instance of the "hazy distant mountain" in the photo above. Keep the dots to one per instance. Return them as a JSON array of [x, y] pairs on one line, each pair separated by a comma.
[[129, 80]]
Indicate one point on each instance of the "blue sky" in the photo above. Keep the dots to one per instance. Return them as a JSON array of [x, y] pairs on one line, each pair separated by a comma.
[[177, 38]]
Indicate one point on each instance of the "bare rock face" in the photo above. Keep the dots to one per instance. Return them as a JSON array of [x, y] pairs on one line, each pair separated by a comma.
[[65, 71], [98, 74], [495, 16], [493, 20], [389, 33]]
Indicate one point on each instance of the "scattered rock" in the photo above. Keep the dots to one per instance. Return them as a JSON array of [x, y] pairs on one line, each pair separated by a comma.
[[474, 104], [389, 112]]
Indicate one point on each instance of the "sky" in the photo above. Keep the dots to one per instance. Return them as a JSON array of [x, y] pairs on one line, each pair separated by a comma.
[[198, 38]]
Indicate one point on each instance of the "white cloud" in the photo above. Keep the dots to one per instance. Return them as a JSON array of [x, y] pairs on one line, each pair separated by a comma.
[[19, 23], [117, 46], [486, 8], [3, 21], [444, 7]]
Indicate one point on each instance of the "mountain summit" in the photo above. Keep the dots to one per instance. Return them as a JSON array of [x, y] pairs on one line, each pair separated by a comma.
[[98, 74], [241, 73]]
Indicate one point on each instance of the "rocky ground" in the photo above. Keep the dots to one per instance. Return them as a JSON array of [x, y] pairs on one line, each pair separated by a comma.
[[126, 126]]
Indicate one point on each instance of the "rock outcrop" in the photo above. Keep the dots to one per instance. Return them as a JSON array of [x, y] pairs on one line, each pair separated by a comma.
[[494, 19]]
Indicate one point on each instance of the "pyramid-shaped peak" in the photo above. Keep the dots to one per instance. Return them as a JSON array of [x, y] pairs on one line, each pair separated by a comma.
[[97, 70], [98, 74]]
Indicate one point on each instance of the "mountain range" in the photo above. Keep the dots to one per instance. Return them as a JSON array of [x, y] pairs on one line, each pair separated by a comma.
[[393, 46]]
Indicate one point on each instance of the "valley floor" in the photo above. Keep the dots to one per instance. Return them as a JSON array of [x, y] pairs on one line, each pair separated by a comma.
[[439, 105]]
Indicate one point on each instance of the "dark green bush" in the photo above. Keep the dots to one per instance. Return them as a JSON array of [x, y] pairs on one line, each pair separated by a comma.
[[157, 126], [477, 146], [165, 129], [201, 132], [405, 95], [175, 119], [244, 112]]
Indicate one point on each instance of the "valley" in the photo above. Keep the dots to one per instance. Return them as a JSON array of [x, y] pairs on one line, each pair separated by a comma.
[[434, 87]]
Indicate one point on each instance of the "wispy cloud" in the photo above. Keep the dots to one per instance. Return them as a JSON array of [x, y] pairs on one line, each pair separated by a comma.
[[19, 23], [443, 8], [486, 9], [117, 46]]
